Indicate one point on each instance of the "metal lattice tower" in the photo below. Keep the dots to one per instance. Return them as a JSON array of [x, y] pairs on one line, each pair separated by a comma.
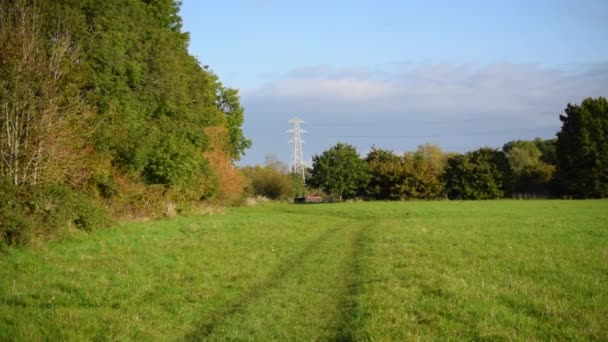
[[297, 162]]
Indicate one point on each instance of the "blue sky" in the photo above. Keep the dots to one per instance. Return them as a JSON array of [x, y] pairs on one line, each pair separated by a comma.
[[396, 74]]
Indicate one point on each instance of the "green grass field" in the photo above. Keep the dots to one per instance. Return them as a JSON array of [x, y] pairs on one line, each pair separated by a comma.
[[354, 271]]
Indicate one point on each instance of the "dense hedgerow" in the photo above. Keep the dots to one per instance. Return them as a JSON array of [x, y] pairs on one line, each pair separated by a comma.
[[43, 211], [102, 109]]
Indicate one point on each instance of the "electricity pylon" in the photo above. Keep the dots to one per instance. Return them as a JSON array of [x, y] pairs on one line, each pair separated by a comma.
[[297, 162]]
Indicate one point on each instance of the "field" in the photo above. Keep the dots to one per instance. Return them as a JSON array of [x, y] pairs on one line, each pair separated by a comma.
[[354, 271]]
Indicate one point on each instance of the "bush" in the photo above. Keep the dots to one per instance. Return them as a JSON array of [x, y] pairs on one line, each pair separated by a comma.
[[15, 229], [268, 182], [61, 206], [26, 211], [15, 223]]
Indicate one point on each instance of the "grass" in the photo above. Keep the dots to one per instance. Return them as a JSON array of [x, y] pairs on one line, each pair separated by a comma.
[[354, 271]]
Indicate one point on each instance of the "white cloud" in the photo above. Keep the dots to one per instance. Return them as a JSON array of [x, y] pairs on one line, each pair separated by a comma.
[[442, 102], [346, 90]]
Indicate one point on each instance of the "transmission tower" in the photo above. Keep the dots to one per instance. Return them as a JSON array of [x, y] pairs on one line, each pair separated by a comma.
[[297, 162]]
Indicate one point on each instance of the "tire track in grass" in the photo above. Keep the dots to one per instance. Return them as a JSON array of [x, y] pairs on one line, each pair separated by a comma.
[[312, 303], [215, 319], [350, 313]]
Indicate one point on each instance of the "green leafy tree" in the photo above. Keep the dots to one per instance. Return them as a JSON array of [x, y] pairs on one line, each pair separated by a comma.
[[531, 175], [173, 163], [154, 102], [340, 171], [299, 185], [582, 149], [481, 174], [547, 149], [228, 102], [534, 180], [386, 174], [102, 97], [414, 175], [423, 170], [521, 154]]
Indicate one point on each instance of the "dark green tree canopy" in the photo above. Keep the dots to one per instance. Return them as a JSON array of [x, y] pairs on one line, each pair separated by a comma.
[[339, 171], [481, 174], [153, 100], [386, 176], [582, 149]]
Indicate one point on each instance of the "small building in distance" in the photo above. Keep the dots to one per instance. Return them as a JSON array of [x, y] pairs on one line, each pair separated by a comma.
[[308, 199]]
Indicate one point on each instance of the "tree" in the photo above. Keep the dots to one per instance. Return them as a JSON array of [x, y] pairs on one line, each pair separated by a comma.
[[160, 114], [34, 95], [414, 175], [423, 171], [433, 155], [582, 149], [481, 174], [102, 97], [547, 148], [339, 171], [228, 102], [531, 175], [386, 174], [521, 154]]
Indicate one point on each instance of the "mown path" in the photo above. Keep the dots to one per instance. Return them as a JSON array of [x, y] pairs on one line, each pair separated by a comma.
[[311, 295]]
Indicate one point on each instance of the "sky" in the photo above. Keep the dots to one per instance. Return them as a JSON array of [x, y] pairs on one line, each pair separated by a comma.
[[398, 74]]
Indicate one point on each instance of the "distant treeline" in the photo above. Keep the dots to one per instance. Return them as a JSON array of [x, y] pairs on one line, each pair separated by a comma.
[[103, 112], [574, 165]]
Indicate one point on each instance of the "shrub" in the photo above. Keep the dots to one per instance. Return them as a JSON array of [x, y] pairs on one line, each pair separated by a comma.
[[61, 206], [26, 211], [268, 182], [15, 223]]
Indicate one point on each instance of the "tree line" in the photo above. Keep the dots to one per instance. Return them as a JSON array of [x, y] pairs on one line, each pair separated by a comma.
[[575, 165], [103, 110]]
